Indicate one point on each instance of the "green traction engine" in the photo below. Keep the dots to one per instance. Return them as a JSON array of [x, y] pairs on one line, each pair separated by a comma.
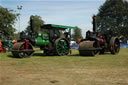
[[52, 39]]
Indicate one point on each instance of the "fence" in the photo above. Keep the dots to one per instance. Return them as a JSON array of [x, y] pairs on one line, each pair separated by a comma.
[[122, 45]]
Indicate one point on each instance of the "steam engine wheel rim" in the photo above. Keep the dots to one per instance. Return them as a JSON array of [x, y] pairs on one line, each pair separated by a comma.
[[62, 47], [114, 45], [117, 47]]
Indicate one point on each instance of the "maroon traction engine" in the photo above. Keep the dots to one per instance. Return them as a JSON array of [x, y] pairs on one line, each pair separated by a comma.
[[97, 42]]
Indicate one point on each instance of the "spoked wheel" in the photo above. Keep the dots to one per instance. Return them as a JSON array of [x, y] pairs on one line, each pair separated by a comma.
[[114, 45], [62, 46], [19, 50]]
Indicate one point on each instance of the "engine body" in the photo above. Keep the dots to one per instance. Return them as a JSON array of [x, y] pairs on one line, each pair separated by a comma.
[[52, 39], [97, 42]]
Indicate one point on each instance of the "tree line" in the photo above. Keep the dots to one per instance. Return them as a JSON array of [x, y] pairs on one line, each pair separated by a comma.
[[7, 20], [112, 15]]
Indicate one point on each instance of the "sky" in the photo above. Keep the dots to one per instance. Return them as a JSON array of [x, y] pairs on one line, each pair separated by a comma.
[[63, 12]]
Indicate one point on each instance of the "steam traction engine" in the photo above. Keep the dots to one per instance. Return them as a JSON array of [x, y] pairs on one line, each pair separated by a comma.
[[52, 39], [97, 42]]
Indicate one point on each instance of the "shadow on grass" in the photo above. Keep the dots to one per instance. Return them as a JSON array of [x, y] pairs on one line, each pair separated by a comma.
[[42, 55], [106, 53], [34, 55], [38, 54], [70, 55], [74, 55], [11, 56], [78, 55]]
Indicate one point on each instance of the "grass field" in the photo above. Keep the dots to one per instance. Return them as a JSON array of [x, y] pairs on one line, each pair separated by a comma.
[[65, 70]]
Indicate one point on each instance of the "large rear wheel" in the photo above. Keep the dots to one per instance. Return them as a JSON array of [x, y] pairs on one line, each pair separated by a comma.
[[62, 46], [114, 45]]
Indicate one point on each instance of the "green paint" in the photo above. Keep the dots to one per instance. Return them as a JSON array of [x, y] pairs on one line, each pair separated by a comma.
[[62, 26], [42, 39], [7, 43]]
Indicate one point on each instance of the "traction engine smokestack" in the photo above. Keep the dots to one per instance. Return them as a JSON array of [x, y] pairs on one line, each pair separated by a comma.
[[32, 24], [94, 23]]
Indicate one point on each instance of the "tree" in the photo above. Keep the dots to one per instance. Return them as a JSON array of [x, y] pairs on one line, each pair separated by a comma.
[[76, 34], [113, 15], [7, 20], [37, 23]]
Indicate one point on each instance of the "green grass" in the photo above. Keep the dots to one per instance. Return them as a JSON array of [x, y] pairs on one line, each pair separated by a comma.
[[65, 70]]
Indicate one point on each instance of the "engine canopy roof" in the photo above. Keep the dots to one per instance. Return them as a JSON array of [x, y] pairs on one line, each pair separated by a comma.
[[58, 27]]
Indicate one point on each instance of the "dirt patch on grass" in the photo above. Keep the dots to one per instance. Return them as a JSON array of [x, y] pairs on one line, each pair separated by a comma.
[[63, 76]]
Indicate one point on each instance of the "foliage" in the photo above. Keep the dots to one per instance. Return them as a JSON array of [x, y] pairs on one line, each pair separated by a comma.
[[16, 36], [113, 15], [76, 34], [37, 23], [7, 20]]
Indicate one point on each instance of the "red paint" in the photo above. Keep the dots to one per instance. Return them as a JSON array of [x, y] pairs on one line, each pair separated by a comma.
[[0, 44], [27, 44], [79, 40], [14, 42], [1, 49]]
